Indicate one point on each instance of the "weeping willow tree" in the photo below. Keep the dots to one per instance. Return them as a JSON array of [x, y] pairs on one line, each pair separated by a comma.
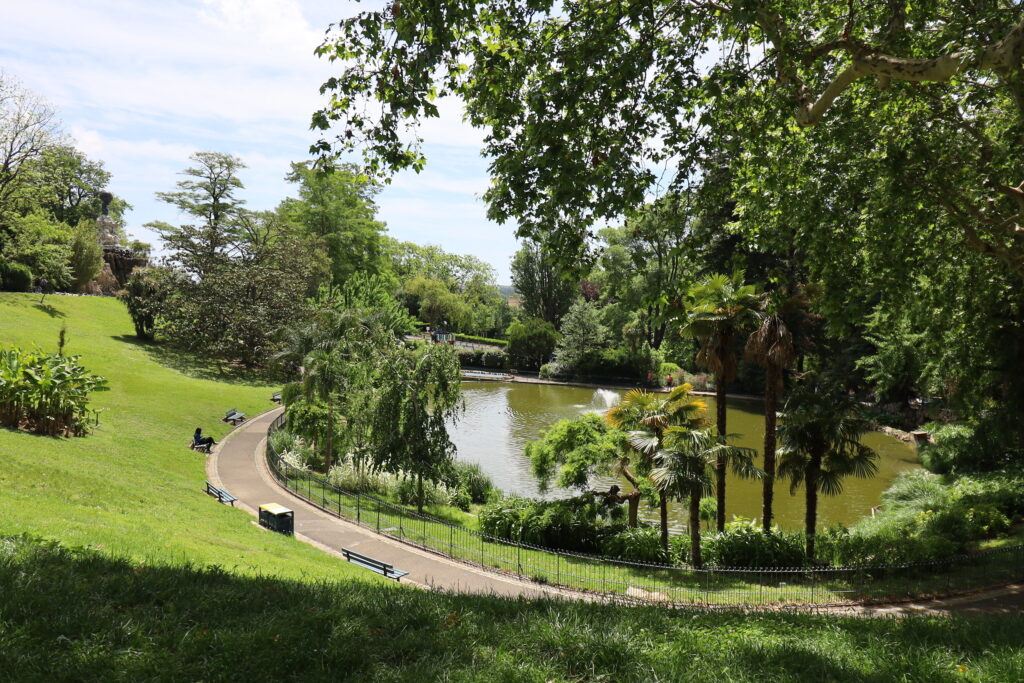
[[418, 394]]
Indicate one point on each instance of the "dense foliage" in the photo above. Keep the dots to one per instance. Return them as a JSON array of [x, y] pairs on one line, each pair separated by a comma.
[[50, 198], [45, 393]]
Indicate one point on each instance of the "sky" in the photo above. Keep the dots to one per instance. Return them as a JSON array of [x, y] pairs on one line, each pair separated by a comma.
[[142, 85]]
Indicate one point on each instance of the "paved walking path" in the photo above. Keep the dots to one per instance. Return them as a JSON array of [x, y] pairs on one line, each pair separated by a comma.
[[238, 464]]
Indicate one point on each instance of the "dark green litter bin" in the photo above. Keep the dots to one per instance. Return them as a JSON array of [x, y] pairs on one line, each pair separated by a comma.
[[277, 518]]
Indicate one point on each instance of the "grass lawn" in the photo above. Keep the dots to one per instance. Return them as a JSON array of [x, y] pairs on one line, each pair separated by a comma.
[[80, 615], [132, 487], [152, 579]]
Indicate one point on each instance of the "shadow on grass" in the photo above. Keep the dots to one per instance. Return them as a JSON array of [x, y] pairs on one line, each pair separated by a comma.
[[196, 366], [81, 615], [49, 310]]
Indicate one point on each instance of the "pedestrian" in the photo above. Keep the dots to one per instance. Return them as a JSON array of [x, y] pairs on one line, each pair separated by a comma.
[[200, 441]]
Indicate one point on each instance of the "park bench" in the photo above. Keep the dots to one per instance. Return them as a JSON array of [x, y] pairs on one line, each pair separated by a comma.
[[220, 494], [276, 397], [204, 448], [373, 565], [233, 417]]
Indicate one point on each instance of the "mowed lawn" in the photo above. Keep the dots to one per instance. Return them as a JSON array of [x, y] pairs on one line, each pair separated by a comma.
[[132, 488]]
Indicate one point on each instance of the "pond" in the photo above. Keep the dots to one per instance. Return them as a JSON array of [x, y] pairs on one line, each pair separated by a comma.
[[501, 418]]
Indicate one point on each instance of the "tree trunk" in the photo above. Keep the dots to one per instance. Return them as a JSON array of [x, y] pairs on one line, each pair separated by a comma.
[[771, 387], [634, 495], [330, 436], [811, 491], [419, 493], [634, 507], [720, 420], [695, 558], [663, 504]]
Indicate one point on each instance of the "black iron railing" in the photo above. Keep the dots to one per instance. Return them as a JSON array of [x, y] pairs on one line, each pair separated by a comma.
[[648, 582]]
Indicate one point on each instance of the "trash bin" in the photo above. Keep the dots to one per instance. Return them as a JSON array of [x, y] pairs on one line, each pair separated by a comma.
[[277, 518]]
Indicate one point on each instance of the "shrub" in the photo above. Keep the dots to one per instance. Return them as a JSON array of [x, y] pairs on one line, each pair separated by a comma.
[[459, 497], [667, 369], [407, 492], [745, 544], [15, 277], [479, 358], [638, 544], [480, 340], [950, 450], [282, 440], [347, 476], [471, 477], [569, 524], [967, 447], [551, 370], [44, 393]]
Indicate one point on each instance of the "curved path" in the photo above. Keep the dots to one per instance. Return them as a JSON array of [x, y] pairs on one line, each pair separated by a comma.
[[238, 464]]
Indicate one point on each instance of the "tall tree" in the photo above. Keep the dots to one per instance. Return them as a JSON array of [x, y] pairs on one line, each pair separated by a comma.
[[338, 207], [771, 346], [573, 452], [820, 446], [645, 263], [67, 184], [572, 94], [546, 289], [686, 465], [648, 418], [583, 334], [719, 309], [903, 146], [208, 194], [28, 125], [419, 395]]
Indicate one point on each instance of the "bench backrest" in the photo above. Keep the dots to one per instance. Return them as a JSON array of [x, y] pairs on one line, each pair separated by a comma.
[[369, 560], [230, 413]]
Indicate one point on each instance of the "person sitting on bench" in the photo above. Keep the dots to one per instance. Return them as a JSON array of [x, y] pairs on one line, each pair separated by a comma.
[[202, 441]]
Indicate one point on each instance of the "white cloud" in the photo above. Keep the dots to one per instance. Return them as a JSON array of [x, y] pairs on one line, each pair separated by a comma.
[[142, 85]]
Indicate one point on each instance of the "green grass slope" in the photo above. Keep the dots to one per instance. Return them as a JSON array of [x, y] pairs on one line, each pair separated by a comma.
[[132, 487], [80, 615], [153, 580]]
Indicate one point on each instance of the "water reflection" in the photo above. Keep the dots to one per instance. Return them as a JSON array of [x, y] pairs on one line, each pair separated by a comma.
[[501, 418]]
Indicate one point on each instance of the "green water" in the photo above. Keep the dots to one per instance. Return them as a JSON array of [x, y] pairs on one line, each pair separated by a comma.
[[501, 418]]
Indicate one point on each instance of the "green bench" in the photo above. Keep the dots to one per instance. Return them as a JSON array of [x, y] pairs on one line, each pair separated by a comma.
[[220, 494], [382, 568], [233, 417]]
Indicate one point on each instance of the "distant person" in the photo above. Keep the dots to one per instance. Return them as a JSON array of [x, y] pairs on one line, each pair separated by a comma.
[[668, 380], [202, 441]]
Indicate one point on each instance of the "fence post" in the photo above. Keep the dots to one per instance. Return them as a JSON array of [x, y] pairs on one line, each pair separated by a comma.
[[359, 518], [378, 515], [558, 568], [451, 545], [519, 558]]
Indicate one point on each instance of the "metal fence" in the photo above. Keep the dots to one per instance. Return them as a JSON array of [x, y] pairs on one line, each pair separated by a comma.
[[651, 583]]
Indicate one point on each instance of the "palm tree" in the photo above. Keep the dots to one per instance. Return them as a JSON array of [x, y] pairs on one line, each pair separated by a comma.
[[771, 347], [647, 416], [820, 436], [720, 306], [320, 379], [686, 466]]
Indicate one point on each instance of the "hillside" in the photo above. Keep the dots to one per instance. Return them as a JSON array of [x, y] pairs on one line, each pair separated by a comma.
[[172, 584], [132, 487]]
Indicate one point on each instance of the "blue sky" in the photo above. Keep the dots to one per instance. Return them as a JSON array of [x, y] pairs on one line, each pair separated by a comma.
[[141, 85]]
